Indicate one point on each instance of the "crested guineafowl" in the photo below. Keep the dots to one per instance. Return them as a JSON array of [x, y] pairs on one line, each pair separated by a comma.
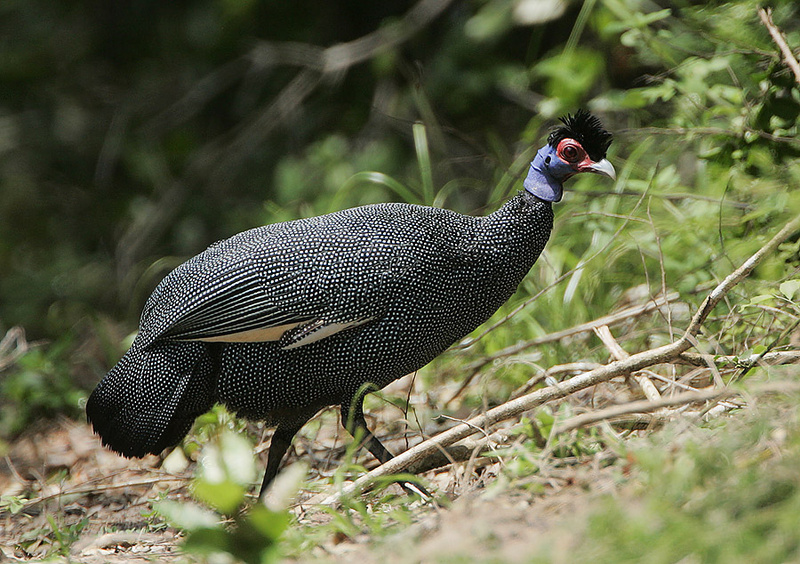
[[283, 320]]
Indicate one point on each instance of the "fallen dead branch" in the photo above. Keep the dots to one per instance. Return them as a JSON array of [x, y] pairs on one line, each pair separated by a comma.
[[95, 489], [730, 361], [780, 40], [12, 346], [647, 406], [618, 353], [568, 368], [612, 319], [513, 408], [642, 406]]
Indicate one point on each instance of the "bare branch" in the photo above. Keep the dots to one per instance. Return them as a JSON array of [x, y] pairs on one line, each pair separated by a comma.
[[618, 353], [568, 368], [643, 406], [647, 406], [96, 488], [611, 319], [780, 41], [772, 359], [738, 275]]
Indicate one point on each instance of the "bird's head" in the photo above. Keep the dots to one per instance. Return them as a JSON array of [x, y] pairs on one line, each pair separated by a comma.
[[578, 145]]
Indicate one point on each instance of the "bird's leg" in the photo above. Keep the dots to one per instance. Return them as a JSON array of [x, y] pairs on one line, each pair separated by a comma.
[[281, 440], [353, 420]]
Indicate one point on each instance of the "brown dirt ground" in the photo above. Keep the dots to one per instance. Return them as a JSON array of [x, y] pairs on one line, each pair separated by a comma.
[[105, 499], [100, 502]]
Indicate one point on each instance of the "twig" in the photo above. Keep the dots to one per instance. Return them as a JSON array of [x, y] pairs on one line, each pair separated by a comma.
[[604, 334], [642, 406], [723, 361], [618, 353], [780, 41], [669, 381], [102, 488], [646, 406], [567, 368], [12, 346], [756, 358], [515, 407], [611, 319], [738, 275]]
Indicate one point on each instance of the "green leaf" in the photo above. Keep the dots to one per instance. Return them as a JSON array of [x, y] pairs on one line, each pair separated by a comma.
[[546, 421], [424, 160], [13, 503], [225, 497], [789, 288], [186, 516], [270, 524], [208, 541]]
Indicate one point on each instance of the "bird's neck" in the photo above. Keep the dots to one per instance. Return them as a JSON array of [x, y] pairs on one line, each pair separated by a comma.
[[524, 214], [518, 231], [546, 174], [505, 246]]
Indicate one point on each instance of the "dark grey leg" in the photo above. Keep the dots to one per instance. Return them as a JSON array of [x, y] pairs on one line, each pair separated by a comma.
[[281, 441], [353, 420]]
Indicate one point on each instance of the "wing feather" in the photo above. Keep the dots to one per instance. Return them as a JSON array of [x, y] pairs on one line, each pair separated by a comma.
[[305, 279]]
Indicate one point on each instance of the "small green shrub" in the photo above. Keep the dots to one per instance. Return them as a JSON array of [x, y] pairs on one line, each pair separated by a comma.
[[220, 524], [39, 386]]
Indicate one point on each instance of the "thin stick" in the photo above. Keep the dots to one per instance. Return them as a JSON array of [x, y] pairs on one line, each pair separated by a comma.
[[771, 358], [646, 406], [738, 275], [642, 406], [570, 367], [612, 319], [780, 41], [618, 353], [102, 488]]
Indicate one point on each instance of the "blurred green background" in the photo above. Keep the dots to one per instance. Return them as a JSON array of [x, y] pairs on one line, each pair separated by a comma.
[[135, 133]]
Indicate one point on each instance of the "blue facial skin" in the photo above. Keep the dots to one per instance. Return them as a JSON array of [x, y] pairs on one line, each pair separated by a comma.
[[547, 174]]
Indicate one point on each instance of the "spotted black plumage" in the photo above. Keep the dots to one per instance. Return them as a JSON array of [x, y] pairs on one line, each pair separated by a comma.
[[280, 321]]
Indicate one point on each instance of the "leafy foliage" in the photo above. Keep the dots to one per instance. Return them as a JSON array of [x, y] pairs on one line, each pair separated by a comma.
[[227, 471], [38, 387]]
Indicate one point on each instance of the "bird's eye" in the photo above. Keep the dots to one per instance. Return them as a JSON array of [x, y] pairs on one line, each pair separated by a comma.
[[571, 153]]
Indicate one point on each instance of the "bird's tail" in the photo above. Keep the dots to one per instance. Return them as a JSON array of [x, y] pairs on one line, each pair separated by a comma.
[[150, 399]]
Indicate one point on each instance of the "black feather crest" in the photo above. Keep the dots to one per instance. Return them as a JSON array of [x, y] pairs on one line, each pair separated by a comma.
[[587, 130]]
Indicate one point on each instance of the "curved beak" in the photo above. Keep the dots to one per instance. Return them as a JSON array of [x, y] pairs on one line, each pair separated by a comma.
[[602, 167]]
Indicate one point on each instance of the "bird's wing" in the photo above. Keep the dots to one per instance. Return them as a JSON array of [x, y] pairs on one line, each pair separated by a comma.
[[293, 284], [235, 312], [244, 313]]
